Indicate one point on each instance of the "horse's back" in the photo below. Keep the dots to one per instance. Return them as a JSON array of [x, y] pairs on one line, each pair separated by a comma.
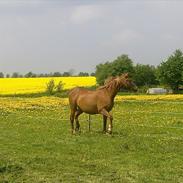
[[75, 93]]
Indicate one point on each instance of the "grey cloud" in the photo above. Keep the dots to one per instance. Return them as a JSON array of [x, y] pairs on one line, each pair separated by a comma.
[[45, 36]]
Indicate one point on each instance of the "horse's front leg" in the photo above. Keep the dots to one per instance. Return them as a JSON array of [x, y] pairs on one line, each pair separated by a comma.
[[110, 125], [104, 112]]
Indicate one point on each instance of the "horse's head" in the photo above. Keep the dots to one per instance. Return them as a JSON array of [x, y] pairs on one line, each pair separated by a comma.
[[126, 82], [118, 82]]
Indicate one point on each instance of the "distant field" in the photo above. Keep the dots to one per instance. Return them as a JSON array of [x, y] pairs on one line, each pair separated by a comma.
[[146, 145], [38, 85]]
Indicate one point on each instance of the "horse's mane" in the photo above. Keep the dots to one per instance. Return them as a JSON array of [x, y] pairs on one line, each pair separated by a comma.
[[109, 82], [114, 82]]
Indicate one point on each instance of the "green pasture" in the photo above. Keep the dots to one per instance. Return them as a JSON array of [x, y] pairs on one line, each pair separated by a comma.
[[146, 145]]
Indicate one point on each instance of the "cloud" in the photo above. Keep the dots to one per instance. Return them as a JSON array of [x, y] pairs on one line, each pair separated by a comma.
[[84, 13], [49, 35], [21, 2], [168, 37], [124, 38]]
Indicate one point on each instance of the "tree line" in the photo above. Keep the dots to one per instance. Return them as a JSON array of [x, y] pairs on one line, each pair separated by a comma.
[[168, 73], [34, 75]]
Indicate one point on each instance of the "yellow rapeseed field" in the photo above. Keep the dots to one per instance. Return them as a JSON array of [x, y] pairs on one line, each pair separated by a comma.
[[36, 85]]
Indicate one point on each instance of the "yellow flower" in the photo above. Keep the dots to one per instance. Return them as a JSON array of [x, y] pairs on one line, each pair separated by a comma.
[[150, 97], [38, 85]]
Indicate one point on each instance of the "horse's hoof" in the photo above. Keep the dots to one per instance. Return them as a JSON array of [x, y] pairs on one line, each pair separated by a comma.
[[110, 132]]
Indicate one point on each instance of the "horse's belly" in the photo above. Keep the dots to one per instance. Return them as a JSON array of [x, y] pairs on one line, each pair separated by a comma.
[[89, 109], [88, 105], [92, 111]]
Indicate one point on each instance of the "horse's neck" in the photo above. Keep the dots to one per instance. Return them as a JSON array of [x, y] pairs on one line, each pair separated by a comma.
[[112, 92]]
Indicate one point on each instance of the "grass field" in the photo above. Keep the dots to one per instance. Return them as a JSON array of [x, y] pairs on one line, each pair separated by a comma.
[[36, 144]]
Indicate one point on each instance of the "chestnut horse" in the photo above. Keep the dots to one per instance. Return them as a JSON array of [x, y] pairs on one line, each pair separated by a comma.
[[100, 101]]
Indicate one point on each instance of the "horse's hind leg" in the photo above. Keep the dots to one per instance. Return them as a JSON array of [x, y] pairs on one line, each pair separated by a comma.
[[72, 119], [104, 123], [78, 112]]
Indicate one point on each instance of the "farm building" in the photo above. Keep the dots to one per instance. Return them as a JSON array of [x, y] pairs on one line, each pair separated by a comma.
[[157, 91]]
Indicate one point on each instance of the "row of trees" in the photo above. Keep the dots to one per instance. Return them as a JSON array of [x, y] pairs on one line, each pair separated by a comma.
[[168, 73], [142, 74], [33, 75]]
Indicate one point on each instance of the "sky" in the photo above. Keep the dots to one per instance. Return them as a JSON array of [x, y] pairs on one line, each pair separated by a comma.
[[45, 36]]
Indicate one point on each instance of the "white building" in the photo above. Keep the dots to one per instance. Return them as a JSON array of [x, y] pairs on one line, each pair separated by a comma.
[[157, 91]]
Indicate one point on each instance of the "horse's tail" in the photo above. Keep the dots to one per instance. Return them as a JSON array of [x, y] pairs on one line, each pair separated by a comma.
[[73, 95], [71, 91]]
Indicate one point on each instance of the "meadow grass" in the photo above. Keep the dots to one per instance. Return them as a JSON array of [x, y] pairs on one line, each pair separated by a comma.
[[36, 144]]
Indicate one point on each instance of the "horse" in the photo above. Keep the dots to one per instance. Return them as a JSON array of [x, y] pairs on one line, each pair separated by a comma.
[[99, 101]]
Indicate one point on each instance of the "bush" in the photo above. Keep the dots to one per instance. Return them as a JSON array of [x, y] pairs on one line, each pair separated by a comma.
[[59, 87], [50, 87]]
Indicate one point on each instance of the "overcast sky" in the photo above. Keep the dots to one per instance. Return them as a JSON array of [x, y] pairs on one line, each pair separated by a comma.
[[56, 35]]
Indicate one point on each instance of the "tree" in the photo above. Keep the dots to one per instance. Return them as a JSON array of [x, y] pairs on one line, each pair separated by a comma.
[[41, 75], [145, 75], [121, 65], [83, 74], [66, 74], [30, 75], [1, 75], [57, 74], [7, 75], [170, 72], [92, 74], [71, 72], [15, 75], [102, 72]]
